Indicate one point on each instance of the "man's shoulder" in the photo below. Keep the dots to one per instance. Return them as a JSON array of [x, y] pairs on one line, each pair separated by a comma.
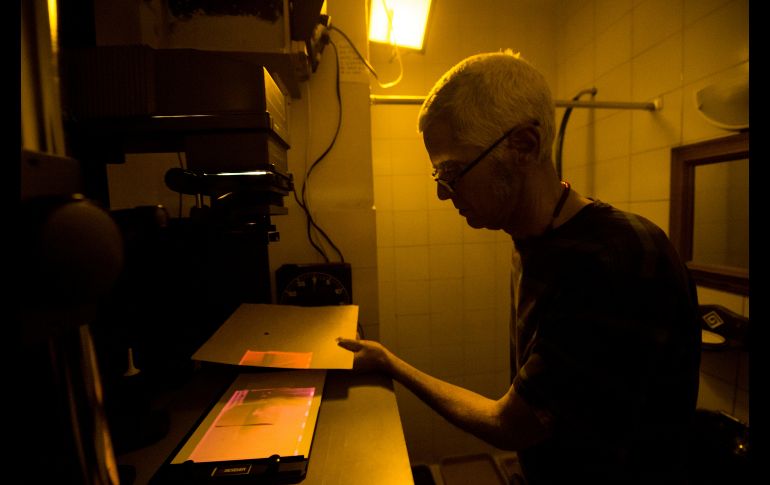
[[605, 221]]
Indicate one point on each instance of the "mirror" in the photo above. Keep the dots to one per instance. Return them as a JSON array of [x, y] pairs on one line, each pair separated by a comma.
[[709, 220]]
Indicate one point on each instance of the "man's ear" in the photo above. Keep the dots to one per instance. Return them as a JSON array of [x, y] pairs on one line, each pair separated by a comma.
[[526, 142]]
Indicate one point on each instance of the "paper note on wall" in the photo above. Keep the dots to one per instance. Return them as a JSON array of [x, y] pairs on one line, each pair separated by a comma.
[[352, 68]]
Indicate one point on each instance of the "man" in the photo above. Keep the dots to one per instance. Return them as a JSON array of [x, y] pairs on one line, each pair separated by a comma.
[[605, 336]]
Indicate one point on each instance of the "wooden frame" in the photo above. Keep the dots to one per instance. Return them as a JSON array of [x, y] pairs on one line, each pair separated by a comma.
[[684, 159]]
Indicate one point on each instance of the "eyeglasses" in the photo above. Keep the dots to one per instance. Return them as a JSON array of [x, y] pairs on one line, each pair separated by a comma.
[[449, 185]]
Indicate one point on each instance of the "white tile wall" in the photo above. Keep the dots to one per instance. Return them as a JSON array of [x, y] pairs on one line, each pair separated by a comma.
[[716, 41], [653, 21], [613, 83], [612, 179], [658, 69], [650, 175], [609, 13], [612, 136]]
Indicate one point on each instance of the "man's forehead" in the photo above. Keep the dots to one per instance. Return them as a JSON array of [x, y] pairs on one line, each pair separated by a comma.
[[441, 145], [438, 137]]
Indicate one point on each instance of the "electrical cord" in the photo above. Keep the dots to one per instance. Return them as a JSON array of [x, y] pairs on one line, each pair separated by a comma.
[[563, 127], [302, 200]]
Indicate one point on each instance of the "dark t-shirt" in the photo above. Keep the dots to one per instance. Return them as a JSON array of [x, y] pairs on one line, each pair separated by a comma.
[[607, 350]]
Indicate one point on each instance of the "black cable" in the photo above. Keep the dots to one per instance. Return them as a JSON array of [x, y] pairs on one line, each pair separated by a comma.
[[303, 203], [563, 127], [309, 235]]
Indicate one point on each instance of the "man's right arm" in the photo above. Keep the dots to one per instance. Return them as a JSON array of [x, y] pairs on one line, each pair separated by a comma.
[[506, 423]]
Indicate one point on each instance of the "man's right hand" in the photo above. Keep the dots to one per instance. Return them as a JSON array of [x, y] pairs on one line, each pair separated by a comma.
[[368, 355]]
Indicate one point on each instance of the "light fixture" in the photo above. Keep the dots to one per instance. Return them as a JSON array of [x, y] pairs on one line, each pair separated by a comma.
[[726, 103], [399, 22]]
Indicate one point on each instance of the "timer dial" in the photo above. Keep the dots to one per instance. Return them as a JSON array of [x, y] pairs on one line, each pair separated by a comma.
[[315, 285]]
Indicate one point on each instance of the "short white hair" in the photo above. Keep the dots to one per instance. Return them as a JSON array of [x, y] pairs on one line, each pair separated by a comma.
[[486, 94]]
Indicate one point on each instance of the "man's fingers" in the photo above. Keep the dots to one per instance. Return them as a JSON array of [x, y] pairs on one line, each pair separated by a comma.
[[352, 345]]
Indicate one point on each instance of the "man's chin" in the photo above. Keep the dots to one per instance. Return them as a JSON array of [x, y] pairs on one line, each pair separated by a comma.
[[479, 224], [472, 221]]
